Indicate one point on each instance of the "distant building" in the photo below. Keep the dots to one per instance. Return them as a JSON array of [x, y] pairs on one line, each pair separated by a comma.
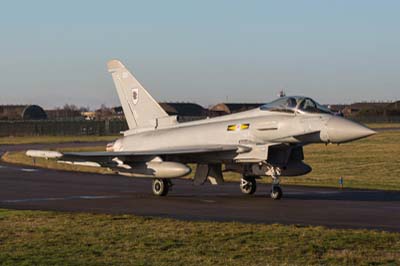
[[118, 110], [118, 113], [230, 108], [364, 108], [185, 111], [22, 112], [64, 114], [393, 109], [89, 115], [369, 105], [108, 113]]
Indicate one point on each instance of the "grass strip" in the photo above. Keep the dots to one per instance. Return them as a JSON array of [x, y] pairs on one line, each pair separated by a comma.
[[49, 238]]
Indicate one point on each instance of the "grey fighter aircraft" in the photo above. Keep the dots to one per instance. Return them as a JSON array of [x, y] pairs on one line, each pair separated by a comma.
[[267, 141]]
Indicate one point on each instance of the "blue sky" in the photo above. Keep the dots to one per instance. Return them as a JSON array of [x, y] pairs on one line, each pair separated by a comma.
[[55, 52]]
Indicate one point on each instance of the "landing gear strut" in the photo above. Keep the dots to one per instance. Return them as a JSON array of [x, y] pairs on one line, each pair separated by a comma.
[[248, 185], [161, 186], [276, 191]]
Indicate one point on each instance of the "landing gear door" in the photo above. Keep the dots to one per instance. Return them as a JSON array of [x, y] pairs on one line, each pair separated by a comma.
[[201, 174], [279, 154], [257, 153], [212, 172]]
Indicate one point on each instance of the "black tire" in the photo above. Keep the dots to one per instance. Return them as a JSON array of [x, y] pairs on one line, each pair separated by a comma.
[[160, 187], [276, 193], [250, 187]]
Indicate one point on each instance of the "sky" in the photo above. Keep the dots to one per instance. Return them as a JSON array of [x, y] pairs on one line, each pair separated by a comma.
[[55, 52]]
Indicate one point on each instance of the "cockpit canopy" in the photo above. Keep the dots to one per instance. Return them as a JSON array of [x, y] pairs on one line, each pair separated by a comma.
[[291, 104]]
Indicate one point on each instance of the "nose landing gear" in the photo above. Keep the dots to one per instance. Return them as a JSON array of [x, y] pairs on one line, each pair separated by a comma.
[[276, 191]]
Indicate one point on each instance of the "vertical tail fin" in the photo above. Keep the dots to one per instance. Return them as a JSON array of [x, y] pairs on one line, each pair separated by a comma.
[[140, 109]]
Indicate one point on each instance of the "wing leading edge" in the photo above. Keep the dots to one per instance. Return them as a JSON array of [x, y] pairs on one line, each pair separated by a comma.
[[106, 156]]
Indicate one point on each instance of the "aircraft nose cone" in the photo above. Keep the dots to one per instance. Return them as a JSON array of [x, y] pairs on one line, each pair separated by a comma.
[[342, 130]]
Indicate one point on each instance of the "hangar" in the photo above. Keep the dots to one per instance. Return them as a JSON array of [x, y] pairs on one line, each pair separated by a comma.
[[22, 112], [230, 108], [185, 111]]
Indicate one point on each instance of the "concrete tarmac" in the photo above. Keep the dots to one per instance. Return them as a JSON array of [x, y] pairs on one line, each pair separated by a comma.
[[41, 189]]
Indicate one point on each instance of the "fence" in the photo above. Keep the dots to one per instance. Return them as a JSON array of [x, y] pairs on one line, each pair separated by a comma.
[[61, 128]]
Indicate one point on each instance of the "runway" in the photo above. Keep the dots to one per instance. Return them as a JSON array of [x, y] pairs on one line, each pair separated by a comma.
[[40, 189]]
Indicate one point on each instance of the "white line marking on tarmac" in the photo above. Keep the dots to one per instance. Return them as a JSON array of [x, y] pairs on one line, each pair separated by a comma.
[[28, 170], [64, 198]]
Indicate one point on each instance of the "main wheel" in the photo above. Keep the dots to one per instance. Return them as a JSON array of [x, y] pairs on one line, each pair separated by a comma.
[[276, 193], [160, 186], [248, 185]]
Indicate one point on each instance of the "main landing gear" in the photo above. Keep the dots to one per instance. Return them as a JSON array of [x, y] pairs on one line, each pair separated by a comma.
[[248, 186], [161, 186]]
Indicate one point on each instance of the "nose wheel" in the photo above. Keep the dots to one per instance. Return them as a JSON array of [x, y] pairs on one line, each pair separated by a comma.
[[276, 191], [248, 185], [161, 186]]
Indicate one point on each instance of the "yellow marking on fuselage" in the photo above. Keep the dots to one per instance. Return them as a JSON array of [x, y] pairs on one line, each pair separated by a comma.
[[238, 127]]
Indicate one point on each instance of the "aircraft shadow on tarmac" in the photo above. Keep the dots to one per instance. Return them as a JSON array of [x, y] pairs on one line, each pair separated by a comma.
[[290, 192]]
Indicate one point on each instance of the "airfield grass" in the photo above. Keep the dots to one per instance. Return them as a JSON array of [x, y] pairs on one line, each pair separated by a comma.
[[50, 238], [54, 139], [371, 163]]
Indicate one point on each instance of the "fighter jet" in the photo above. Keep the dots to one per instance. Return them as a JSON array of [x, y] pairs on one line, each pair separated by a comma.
[[264, 142]]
